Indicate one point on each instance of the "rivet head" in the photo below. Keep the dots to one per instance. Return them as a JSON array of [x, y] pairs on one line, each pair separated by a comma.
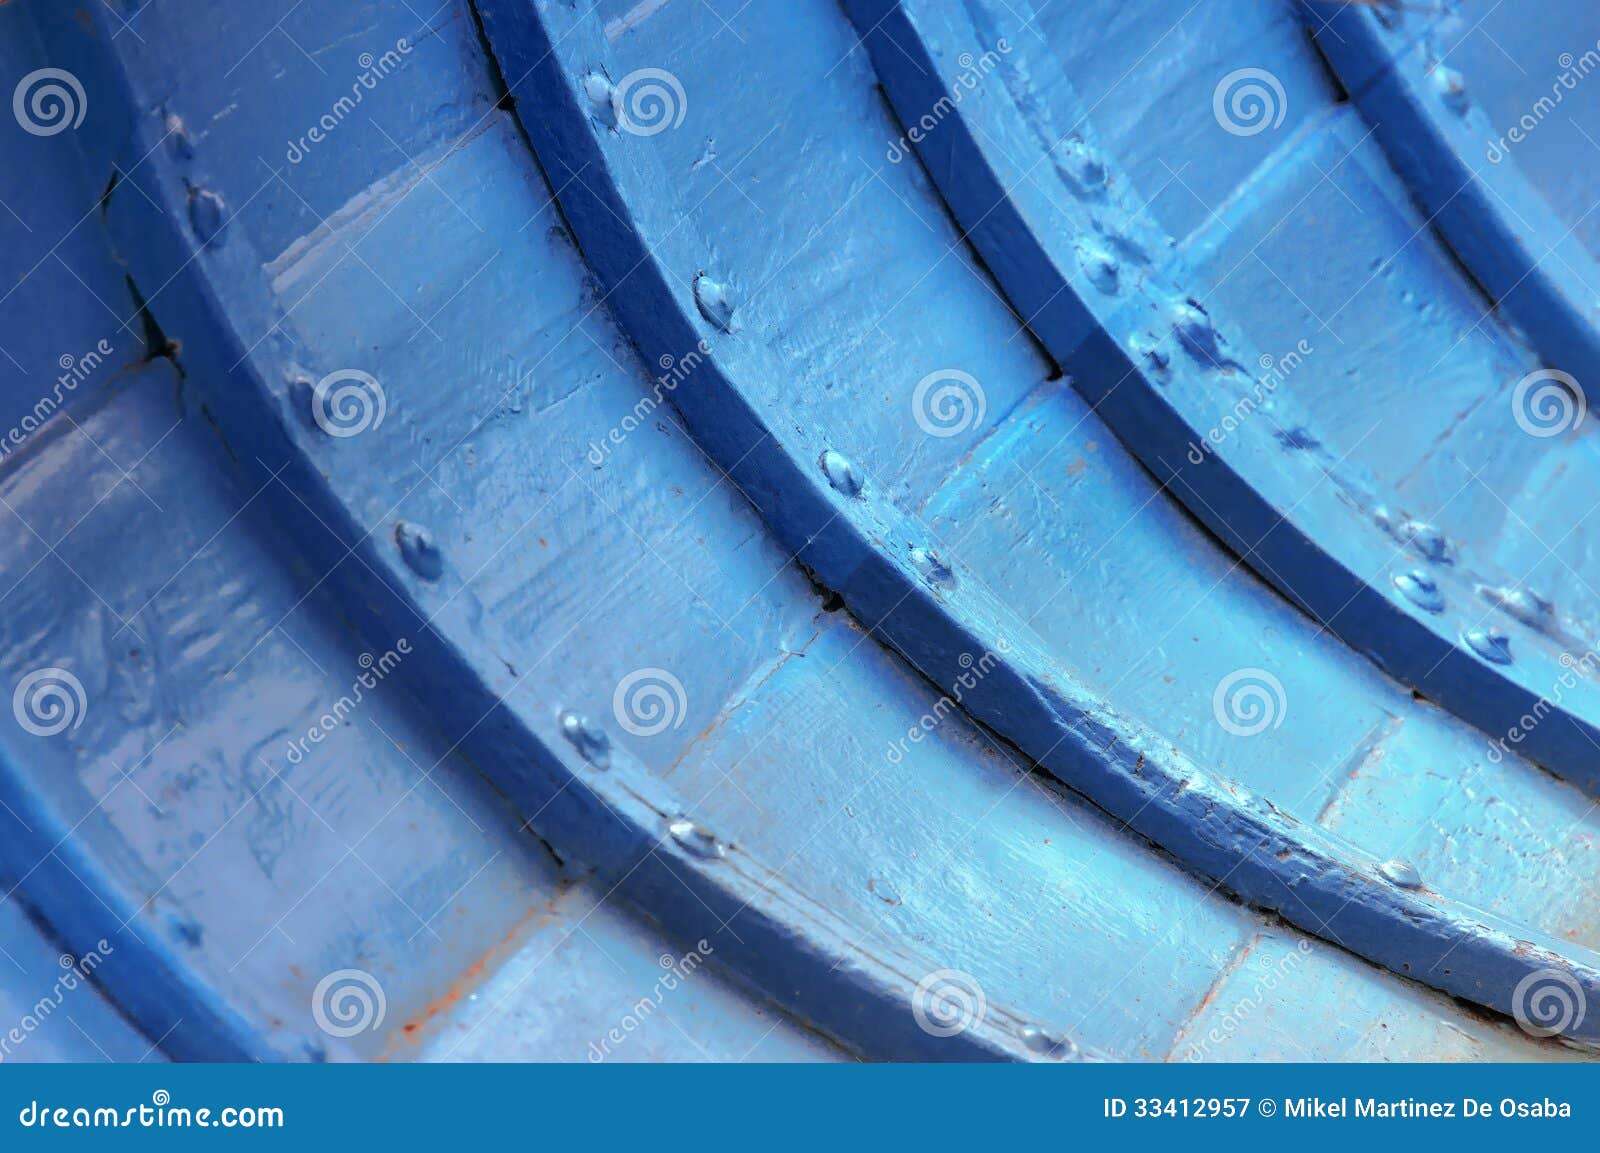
[[1042, 1041], [599, 91], [207, 215], [1100, 267], [1490, 644], [1522, 605], [588, 738], [419, 550], [696, 840], [1452, 88], [931, 565], [841, 473], [714, 301], [1426, 539], [1420, 589], [1401, 873], [1155, 357]]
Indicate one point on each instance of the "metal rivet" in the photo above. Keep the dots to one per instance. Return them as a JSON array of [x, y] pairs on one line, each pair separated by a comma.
[[1042, 1041], [713, 300], [588, 738], [207, 215], [840, 472], [1419, 588], [1490, 644], [419, 550], [696, 840], [1402, 873], [931, 565]]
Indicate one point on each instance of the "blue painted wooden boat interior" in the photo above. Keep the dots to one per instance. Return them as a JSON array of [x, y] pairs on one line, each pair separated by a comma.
[[836, 530]]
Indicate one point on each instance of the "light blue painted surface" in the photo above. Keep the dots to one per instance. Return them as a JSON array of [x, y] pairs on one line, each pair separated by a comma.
[[513, 892]]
